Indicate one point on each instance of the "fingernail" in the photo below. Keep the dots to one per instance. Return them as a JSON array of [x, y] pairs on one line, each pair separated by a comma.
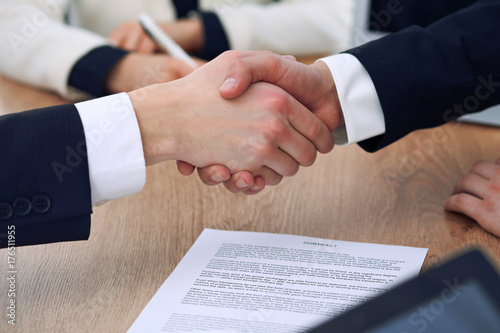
[[218, 178], [241, 183], [255, 188], [229, 84]]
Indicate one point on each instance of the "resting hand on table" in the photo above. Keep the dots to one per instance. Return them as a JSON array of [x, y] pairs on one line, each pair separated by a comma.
[[264, 131], [312, 85], [478, 196], [188, 33]]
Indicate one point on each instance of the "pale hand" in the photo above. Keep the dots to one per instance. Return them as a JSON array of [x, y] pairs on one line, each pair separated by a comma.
[[263, 129], [477, 195], [312, 85]]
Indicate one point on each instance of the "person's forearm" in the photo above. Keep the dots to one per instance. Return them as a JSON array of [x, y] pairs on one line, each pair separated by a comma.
[[45, 193], [41, 56], [426, 77], [115, 152], [91, 74], [358, 100], [187, 120], [188, 33]]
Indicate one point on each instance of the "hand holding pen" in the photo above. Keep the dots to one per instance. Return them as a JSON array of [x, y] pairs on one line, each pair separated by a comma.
[[164, 40], [187, 33]]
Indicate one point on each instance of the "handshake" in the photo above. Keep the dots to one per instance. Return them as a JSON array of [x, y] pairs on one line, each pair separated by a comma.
[[246, 119]]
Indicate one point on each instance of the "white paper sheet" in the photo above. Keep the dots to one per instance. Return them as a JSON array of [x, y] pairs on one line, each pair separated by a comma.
[[234, 281]]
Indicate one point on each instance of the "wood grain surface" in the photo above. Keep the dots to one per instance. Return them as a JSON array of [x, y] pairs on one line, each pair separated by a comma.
[[394, 196]]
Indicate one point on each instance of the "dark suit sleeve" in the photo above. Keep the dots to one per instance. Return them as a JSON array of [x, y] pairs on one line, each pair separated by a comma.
[[44, 177], [425, 77]]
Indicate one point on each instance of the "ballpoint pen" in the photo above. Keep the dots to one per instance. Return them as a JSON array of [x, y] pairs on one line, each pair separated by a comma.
[[161, 38]]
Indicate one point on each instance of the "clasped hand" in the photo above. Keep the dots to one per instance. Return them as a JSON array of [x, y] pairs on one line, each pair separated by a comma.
[[264, 133], [312, 86]]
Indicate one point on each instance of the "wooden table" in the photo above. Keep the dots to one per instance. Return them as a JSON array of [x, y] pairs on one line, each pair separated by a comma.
[[394, 196]]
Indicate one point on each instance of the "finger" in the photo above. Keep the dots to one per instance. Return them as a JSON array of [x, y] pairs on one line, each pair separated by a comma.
[[240, 182], [258, 186], [485, 169], [284, 162], [472, 184], [476, 209], [312, 128], [146, 45], [266, 67], [214, 174], [289, 57], [117, 35], [119, 41], [464, 203], [185, 168], [132, 40], [269, 176]]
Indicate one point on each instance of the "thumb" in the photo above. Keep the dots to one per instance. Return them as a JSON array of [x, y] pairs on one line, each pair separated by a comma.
[[267, 67]]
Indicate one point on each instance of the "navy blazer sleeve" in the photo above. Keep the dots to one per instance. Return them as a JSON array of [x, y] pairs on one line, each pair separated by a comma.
[[425, 77], [44, 178]]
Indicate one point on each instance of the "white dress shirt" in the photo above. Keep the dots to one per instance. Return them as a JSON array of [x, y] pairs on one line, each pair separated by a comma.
[[358, 98], [115, 155], [116, 158]]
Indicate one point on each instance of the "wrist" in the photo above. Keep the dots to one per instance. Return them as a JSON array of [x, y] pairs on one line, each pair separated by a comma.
[[115, 82], [330, 95], [153, 106], [188, 33]]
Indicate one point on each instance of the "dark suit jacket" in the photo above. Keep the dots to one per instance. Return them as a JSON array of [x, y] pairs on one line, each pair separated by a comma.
[[44, 177], [425, 77]]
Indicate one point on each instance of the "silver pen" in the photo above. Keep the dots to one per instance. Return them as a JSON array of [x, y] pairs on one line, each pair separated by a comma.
[[163, 40]]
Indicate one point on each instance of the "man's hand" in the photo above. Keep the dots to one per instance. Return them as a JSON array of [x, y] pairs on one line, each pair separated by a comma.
[[478, 196], [137, 70], [264, 131], [313, 86], [188, 33]]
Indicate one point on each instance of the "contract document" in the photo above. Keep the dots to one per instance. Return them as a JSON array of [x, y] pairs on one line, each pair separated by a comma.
[[235, 281]]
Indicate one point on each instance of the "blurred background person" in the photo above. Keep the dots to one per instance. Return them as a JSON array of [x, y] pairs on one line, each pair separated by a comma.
[[62, 45]]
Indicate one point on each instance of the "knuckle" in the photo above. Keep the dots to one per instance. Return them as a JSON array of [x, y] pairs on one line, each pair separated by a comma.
[[278, 101], [264, 152], [239, 65], [273, 130], [494, 188], [274, 59], [231, 54], [277, 127]]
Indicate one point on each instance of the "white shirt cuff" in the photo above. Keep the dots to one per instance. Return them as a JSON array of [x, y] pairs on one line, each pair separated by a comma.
[[115, 154], [358, 98]]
